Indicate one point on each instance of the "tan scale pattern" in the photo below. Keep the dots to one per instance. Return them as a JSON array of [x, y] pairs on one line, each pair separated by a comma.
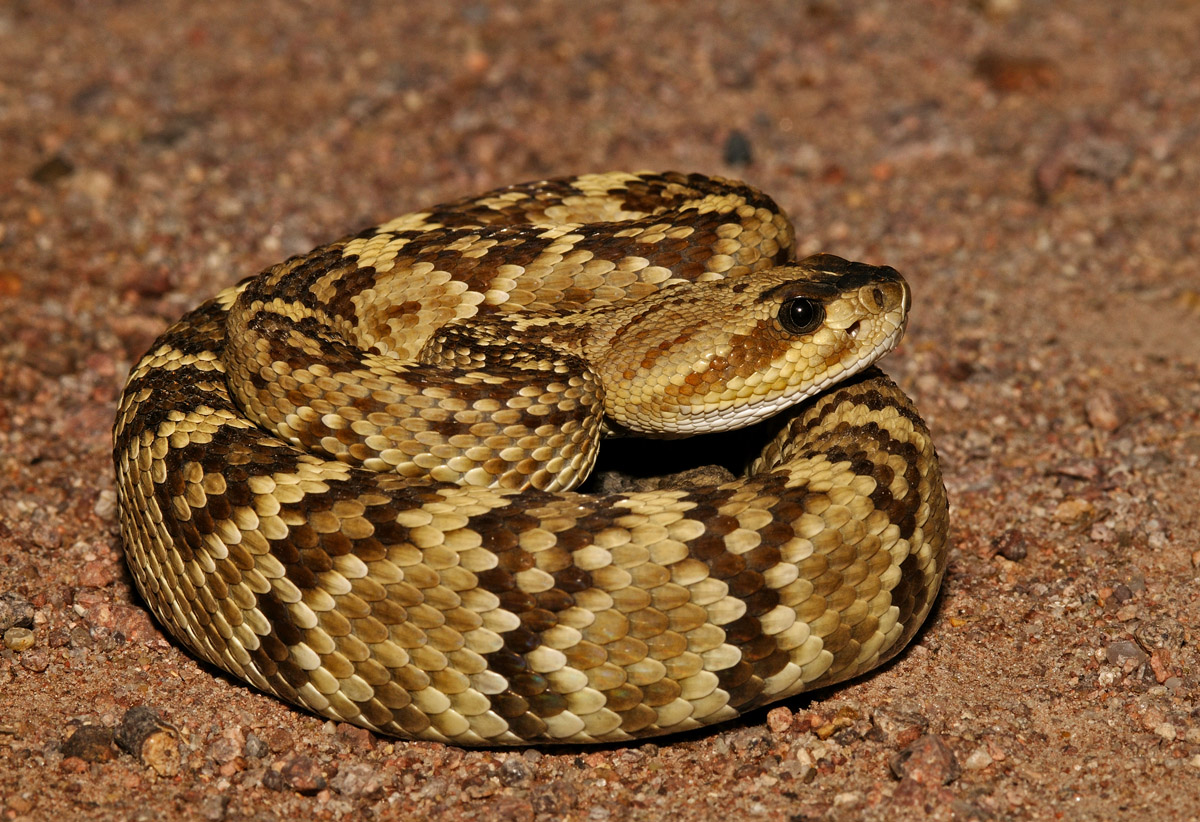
[[347, 480]]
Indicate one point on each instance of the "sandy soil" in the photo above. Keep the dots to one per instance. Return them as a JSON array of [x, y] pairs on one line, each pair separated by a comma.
[[1032, 167]]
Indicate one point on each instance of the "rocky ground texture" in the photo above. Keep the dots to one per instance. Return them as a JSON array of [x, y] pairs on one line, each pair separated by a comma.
[[1031, 166]]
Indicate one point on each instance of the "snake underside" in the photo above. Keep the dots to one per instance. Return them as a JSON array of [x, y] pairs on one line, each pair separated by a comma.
[[349, 480]]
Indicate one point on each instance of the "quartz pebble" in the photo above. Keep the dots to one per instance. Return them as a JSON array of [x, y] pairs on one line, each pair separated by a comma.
[[18, 639]]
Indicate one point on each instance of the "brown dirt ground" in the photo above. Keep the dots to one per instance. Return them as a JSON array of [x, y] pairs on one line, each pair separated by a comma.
[[1033, 168]]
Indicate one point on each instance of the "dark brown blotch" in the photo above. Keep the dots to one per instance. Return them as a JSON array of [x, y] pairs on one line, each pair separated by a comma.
[[746, 583], [528, 685], [742, 631], [521, 640], [554, 600], [538, 620], [730, 678], [573, 580], [547, 703], [507, 664], [747, 693], [496, 580], [516, 601], [726, 565], [508, 704]]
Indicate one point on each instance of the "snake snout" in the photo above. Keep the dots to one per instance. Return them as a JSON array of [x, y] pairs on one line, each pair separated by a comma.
[[888, 293]]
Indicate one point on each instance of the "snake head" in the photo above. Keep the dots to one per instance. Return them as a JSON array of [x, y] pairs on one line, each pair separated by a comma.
[[720, 355]]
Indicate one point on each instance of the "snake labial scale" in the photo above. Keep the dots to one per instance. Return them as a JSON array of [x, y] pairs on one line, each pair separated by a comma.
[[348, 480]]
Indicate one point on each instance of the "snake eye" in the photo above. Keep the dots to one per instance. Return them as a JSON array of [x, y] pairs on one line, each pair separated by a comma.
[[800, 315]]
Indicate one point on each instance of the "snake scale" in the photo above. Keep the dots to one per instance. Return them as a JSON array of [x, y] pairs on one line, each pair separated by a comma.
[[349, 480]]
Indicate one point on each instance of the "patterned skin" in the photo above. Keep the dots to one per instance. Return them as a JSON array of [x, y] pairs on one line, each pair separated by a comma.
[[348, 480]]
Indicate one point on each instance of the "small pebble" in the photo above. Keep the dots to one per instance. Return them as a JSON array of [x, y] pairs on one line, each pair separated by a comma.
[[1121, 593], [513, 771], [73, 764], [1011, 544], [18, 639], [46, 536], [359, 739], [35, 660], [847, 799], [928, 761], [227, 747], [555, 799], [978, 760], [214, 806], [1152, 718], [779, 719], [1160, 662], [144, 734], [256, 748], [1162, 633], [802, 765], [15, 611], [91, 743], [844, 718], [301, 774], [357, 779], [106, 504], [1084, 152], [899, 726], [1118, 652], [98, 573], [1136, 582], [1105, 410], [1073, 510], [278, 740]]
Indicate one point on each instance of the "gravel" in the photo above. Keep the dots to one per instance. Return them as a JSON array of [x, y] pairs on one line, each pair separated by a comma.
[[1031, 167]]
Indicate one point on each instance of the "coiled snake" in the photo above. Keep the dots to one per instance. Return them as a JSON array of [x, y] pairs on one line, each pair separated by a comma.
[[348, 480]]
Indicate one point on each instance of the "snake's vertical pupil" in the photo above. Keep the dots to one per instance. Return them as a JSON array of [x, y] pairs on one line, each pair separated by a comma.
[[800, 315]]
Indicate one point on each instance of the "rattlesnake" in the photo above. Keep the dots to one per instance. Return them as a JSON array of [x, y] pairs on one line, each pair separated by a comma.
[[348, 480]]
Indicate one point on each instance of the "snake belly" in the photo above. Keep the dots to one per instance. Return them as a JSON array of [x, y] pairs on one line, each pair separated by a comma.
[[356, 564]]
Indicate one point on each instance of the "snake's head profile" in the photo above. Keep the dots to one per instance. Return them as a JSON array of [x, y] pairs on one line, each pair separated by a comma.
[[720, 355]]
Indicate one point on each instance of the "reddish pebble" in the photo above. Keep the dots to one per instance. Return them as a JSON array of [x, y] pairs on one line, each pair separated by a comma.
[[359, 739], [98, 573], [779, 720]]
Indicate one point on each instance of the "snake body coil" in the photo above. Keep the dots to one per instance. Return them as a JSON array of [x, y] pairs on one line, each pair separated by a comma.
[[348, 480]]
